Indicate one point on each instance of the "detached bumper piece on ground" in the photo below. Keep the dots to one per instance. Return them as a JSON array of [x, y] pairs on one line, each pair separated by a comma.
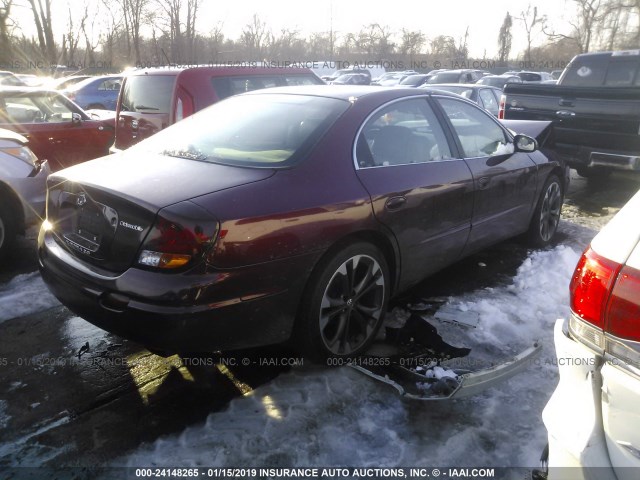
[[409, 359]]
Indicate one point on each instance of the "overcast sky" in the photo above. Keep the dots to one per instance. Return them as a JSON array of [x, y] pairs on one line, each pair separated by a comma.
[[432, 17]]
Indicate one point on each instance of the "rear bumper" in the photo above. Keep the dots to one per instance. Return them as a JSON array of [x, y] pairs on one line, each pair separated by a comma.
[[585, 157], [185, 312], [573, 415]]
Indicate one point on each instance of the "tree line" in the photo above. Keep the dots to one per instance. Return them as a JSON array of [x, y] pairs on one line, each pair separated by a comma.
[[119, 33]]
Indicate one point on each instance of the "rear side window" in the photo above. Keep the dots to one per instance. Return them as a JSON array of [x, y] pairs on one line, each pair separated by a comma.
[[586, 72], [403, 133], [148, 93], [621, 73], [228, 86]]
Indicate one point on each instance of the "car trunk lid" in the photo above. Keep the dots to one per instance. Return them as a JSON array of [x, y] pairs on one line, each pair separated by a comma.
[[101, 211]]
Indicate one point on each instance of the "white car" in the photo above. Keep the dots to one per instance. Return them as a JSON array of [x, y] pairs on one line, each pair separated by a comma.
[[593, 417], [22, 187]]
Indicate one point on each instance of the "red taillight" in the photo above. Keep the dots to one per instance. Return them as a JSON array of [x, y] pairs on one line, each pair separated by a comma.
[[180, 234], [590, 287], [623, 311], [503, 101]]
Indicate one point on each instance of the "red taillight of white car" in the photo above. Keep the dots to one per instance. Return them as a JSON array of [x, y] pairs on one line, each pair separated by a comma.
[[605, 304], [503, 102]]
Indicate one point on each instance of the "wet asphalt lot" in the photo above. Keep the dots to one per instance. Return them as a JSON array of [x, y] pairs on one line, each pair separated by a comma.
[[68, 407]]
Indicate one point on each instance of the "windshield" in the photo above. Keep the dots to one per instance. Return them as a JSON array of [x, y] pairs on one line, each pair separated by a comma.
[[148, 93], [250, 130]]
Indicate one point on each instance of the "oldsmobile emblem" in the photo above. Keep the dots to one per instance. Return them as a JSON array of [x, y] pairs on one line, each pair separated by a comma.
[[137, 228]]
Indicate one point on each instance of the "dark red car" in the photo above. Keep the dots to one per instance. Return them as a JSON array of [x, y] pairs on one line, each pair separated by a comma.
[[57, 129], [290, 211]]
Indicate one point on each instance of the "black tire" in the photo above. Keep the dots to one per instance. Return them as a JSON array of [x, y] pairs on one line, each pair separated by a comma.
[[96, 106], [344, 304], [546, 216], [8, 229]]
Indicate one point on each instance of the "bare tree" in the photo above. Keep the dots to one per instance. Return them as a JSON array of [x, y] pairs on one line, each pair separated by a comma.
[[5, 37], [172, 10], [321, 45], [191, 34], [443, 46], [71, 38], [462, 49], [412, 42], [375, 39], [586, 25], [41, 10], [532, 22], [254, 37], [504, 39]]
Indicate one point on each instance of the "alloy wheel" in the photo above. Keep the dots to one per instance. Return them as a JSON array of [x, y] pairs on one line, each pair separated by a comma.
[[352, 305], [550, 211]]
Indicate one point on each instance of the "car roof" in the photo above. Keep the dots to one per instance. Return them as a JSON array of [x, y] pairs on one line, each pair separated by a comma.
[[341, 92], [24, 89], [219, 69], [461, 85]]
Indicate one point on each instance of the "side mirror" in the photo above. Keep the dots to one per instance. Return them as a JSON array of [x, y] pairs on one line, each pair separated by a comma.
[[76, 118], [524, 143]]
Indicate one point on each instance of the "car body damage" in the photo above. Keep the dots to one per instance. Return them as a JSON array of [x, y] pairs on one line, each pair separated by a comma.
[[420, 365]]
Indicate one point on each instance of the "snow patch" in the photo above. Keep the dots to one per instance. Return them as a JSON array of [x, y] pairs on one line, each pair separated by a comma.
[[24, 295], [4, 417], [338, 417], [78, 332]]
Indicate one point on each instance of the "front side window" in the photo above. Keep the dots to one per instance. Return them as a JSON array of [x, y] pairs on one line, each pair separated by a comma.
[[489, 101], [479, 134], [252, 131], [403, 133], [45, 108], [110, 84]]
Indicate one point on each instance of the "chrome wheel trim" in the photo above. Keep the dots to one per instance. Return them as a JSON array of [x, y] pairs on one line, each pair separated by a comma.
[[550, 211], [352, 305]]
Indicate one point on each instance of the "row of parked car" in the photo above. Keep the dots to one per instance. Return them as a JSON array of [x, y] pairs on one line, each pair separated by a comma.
[[411, 78]]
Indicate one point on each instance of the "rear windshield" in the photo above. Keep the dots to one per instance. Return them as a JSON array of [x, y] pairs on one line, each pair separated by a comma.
[[228, 86], [250, 130], [445, 77], [530, 77], [148, 93], [602, 70]]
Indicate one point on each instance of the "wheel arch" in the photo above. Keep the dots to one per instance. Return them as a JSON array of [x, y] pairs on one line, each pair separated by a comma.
[[380, 240]]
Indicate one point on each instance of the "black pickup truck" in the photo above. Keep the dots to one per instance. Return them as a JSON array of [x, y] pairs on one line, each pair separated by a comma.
[[595, 109]]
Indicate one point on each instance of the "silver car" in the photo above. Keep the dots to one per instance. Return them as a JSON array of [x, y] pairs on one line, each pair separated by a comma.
[[22, 187]]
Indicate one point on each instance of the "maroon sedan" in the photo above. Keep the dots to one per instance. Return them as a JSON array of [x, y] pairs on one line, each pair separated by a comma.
[[57, 129], [289, 213]]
